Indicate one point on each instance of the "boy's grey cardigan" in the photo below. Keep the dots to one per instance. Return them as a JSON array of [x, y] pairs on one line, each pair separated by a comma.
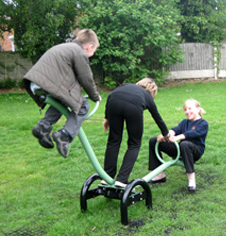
[[61, 71]]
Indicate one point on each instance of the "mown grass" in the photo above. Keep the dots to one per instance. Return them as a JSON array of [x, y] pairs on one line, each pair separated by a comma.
[[40, 190]]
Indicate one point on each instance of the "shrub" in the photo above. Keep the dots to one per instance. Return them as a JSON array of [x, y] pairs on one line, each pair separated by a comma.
[[11, 83], [137, 38]]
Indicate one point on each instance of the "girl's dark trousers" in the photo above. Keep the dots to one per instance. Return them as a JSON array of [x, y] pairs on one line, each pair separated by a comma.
[[118, 112], [189, 152]]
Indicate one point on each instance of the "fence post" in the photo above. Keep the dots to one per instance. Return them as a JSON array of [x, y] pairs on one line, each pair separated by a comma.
[[5, 66], [215, 64]]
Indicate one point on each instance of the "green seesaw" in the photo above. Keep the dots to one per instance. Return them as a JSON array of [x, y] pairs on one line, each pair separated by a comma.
[[129, 195]]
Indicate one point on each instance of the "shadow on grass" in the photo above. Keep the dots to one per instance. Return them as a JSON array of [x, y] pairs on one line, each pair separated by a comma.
[[31, 230]]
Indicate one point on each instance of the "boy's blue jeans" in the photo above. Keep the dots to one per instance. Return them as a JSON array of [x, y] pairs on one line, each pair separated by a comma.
[[72, 124]]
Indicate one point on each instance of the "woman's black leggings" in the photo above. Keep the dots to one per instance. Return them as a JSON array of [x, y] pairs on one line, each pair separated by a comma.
[[118, 112]]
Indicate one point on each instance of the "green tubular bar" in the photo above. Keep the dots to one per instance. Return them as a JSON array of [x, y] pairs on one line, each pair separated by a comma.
[[161, 160], [89, 151], [164, 164], [92, 157]]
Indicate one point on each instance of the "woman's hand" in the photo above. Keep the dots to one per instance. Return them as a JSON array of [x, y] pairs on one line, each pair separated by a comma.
[[160, 138], [106, 125]]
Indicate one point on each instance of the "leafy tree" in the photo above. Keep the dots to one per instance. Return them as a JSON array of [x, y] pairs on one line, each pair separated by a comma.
[[204, 20], [137, 38], [37, 24]]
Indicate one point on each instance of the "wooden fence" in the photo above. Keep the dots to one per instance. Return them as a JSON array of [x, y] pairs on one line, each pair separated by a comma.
[[222, 65], [13, 65], [199, 62]]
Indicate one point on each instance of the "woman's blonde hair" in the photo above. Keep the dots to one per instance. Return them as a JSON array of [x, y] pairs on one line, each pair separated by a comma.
[[197, 104], [88, 36], [149, 85]]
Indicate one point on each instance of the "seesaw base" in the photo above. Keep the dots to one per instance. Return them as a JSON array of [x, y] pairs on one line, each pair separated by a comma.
[[127, 196]]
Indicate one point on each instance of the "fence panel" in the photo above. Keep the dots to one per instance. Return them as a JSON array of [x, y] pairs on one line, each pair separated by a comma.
[[223, 57], [197, 56], [13, 65], [222, 65], [198, 62]]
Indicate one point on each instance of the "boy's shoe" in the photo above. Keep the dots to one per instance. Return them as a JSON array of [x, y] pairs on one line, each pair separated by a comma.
[[62, 140], [120, 184], [43, 136]]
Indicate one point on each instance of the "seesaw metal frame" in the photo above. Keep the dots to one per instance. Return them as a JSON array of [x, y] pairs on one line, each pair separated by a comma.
[[127, 196]]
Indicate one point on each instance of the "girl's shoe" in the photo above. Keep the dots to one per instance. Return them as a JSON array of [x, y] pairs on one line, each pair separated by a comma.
[[191, 188], [158, 180]]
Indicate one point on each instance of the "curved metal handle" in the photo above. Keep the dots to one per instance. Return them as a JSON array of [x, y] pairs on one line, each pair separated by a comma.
[[160, 159], [93, 111], [50, 100]]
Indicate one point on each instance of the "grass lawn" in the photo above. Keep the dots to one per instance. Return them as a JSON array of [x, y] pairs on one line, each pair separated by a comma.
[[40, 190]]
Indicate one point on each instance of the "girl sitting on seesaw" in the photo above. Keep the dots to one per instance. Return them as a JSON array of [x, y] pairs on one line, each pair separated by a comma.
[[191, 133]]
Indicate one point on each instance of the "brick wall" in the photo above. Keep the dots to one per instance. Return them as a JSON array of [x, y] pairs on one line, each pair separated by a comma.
[[6, 44]]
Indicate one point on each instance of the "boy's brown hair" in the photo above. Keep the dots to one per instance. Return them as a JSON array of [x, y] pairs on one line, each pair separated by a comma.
[[149, 85], [88, 36]]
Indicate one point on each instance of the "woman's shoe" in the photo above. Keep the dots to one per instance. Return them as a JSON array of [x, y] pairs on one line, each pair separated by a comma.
[[120, 184], [103, 182]]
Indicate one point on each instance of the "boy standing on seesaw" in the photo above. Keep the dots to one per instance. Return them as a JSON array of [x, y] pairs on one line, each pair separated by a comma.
[[60, 72]]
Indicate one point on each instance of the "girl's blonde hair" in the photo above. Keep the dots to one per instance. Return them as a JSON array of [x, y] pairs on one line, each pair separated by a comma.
[[197, 104], [149, 85]]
